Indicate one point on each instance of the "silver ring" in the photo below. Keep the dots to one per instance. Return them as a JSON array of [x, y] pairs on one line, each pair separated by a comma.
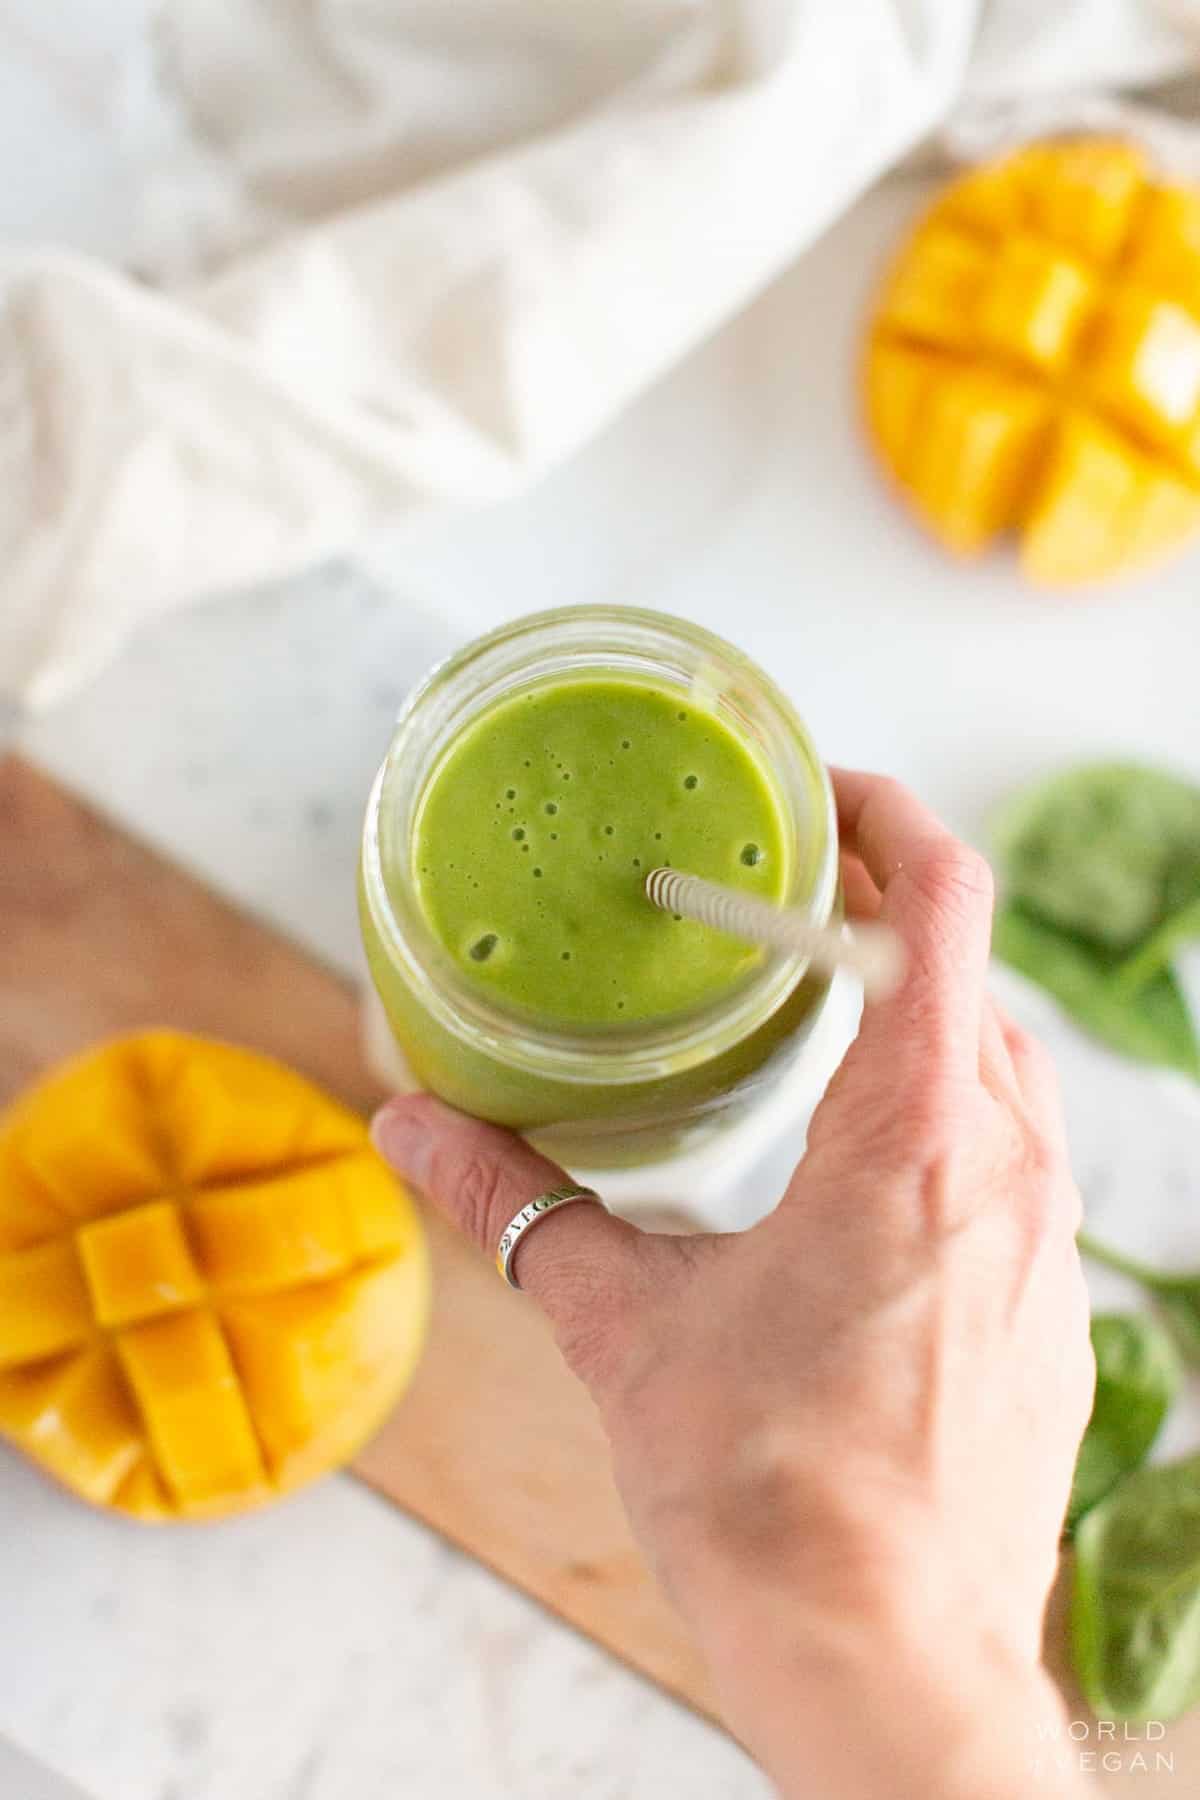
[[532, 1215]]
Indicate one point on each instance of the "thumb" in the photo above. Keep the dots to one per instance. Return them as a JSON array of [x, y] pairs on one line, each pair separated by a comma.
[[577, 1261]]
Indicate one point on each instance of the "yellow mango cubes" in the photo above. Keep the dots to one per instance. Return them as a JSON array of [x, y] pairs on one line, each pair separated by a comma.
[[211, 1288], [1033, 362]]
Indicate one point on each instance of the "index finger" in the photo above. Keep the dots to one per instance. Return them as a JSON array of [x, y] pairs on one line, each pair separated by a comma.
[[580, 1258], [937, 895]]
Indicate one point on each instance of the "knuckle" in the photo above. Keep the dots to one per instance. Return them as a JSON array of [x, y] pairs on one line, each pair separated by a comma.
[[957, 878], [1050, 1201], [476, 1190], [1030, 1050], [1042, 1166], [1019, 1041], [1065, 1199], [912, 1125], [945, 1201]]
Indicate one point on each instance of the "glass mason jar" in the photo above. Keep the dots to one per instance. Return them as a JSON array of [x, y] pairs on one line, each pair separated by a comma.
[[604, 1096]]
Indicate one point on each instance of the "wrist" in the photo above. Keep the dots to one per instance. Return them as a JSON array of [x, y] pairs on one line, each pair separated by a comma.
[[852, 1657], [871, 1698]]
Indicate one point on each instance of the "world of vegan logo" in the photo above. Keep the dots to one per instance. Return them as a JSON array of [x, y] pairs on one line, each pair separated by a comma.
[[1102, 1746]]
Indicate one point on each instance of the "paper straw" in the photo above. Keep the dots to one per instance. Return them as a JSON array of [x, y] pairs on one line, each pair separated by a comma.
[[871, 952]]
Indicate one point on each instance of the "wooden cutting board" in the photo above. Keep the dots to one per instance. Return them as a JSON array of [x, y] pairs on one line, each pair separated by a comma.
[[495, 1446]]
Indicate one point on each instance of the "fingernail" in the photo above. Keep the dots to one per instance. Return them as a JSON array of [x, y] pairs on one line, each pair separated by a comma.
[[403, 1139]]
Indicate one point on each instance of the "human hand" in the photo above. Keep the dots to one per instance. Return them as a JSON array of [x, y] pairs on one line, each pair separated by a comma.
[[868, 1405]]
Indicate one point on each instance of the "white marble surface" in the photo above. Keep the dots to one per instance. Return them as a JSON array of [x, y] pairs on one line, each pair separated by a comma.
[[335, 1649], [331, 1650]]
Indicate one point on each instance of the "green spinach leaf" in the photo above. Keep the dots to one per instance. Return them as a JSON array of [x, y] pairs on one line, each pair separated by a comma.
[[1106, 852], [1176, 1296], [1152, 1025], [1135, 1604], [1179, 1305], [1156, 953], [1137, 1378]]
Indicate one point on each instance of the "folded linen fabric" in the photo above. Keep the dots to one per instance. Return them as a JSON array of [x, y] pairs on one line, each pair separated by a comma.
[[374, 260]]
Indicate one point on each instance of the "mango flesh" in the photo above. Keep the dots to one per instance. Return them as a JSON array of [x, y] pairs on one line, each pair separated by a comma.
[[1033, 363], [211, 1288]]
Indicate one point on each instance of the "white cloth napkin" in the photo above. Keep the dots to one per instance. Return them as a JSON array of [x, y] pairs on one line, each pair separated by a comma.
[[396, 256]]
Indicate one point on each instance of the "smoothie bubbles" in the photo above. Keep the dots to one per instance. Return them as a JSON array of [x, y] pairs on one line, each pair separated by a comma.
[[533, 782]]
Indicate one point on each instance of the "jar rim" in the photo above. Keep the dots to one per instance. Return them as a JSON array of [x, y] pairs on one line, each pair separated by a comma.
[[608, 1054]]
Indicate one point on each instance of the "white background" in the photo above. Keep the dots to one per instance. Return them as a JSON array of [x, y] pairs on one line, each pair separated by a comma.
[[334, 1649]]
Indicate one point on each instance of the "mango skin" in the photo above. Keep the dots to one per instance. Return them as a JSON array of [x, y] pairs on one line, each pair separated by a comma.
[[1032, 363], [212, 1290]]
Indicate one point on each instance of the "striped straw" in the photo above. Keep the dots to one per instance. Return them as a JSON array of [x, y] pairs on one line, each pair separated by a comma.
[[871, 952]]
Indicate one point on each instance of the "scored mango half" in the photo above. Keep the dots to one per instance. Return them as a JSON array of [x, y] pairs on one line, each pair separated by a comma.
[[1033, 362], [212, 1289]]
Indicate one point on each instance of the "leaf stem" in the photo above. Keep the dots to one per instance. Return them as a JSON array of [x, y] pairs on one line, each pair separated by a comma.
[[1158, 1281], [1104, 1254], [1151, 957]]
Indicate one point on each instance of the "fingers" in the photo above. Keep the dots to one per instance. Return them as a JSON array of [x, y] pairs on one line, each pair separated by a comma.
[[1037, 1079], [936, 893], [861, 896], [996, 1069], [480, 1176]]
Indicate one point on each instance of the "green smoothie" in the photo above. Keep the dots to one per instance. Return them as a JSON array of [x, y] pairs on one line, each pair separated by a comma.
[[538, 826], [533, 782]]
